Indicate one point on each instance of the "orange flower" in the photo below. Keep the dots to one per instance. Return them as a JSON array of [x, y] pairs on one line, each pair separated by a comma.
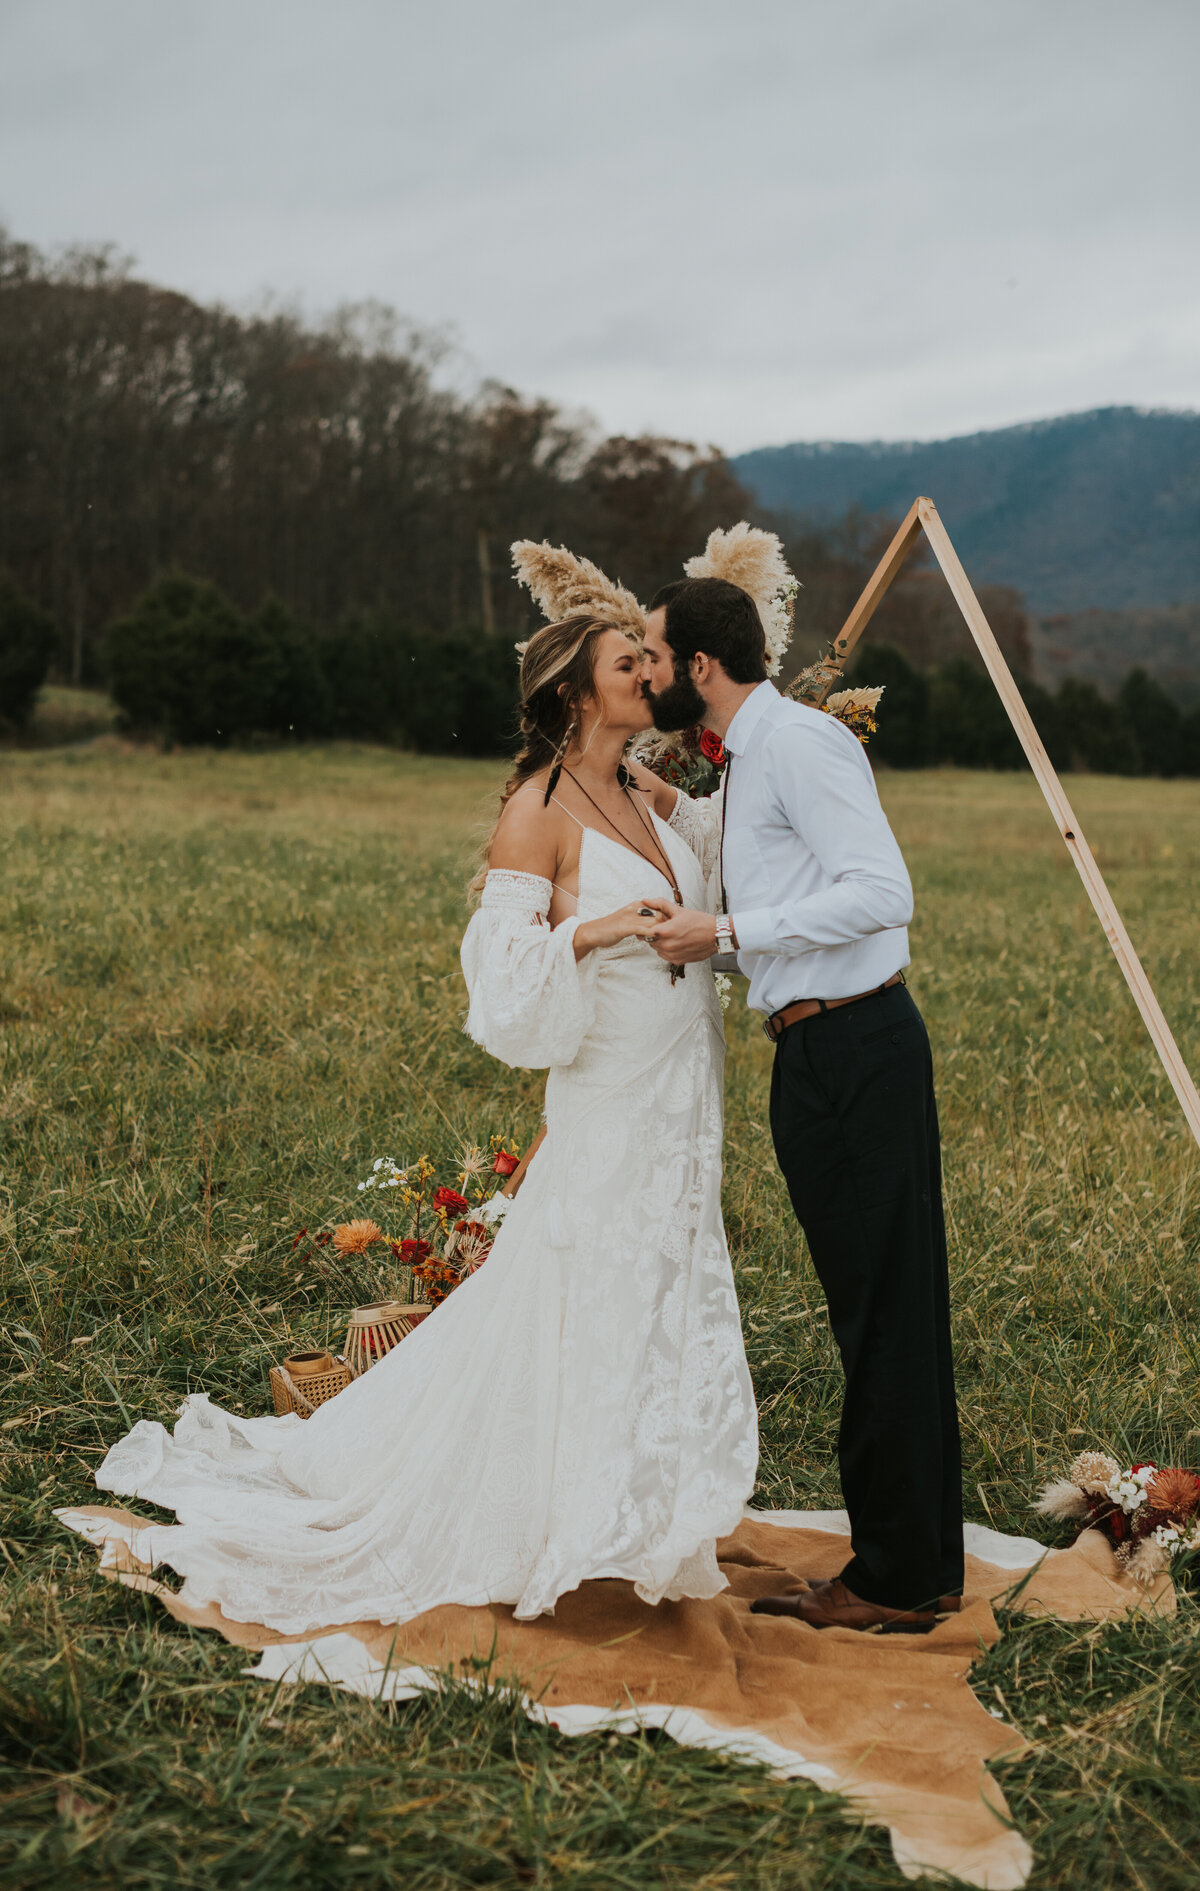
[[355, 1237], [1173, 1492]]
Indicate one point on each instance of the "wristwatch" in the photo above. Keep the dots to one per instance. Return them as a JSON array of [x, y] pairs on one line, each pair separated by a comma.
[[726, 941]]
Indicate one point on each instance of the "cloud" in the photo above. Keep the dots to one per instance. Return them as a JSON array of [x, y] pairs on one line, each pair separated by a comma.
[[777, 221]]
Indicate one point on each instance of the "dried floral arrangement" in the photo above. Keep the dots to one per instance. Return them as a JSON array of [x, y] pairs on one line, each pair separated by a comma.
[[439, 1235], [1150, 1513], [856, 708], [692, 761]]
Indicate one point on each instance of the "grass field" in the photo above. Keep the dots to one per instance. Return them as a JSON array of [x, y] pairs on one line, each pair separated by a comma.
[[225, 984]]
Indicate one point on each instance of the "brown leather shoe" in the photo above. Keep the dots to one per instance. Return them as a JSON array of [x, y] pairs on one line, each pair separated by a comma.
[[946, 1605], [835, 1606]]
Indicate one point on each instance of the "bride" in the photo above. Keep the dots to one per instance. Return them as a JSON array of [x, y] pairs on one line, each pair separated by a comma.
[[580, 1407]]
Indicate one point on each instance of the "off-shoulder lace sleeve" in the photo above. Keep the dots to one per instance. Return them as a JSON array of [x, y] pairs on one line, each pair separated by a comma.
[[531, 1004], [698, 823]]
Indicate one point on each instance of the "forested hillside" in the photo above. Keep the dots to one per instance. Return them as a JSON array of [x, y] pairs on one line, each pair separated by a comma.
[[1097, 511], [250, 526], [327, 465]]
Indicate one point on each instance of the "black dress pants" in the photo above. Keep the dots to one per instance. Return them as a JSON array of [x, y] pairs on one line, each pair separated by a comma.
[[855, 1127]]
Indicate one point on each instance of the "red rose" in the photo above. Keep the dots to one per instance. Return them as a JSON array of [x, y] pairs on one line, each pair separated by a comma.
[[712, 748], [412, 1253], [506, 1164], [451, 1200]]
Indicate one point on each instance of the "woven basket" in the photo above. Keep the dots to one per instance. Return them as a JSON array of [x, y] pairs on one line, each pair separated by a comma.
[[373, 1331], [306, 1380]]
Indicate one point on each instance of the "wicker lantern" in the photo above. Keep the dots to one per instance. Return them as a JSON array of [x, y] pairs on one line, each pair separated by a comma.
[[374, 1330]]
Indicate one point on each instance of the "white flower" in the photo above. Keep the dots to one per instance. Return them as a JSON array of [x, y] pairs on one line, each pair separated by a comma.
[[493, 1210], [778, 629], [392, 1179], [724, 985], [1129, 1490]]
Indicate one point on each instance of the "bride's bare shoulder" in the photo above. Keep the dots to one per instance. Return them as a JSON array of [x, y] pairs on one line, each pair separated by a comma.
[[528, 834]]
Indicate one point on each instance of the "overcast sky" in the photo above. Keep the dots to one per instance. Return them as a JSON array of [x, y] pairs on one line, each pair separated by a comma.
[[751, 222]]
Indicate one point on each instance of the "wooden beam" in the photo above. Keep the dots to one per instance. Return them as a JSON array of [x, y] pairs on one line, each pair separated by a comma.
[[1068, 826], [877, 585], [816, 682]]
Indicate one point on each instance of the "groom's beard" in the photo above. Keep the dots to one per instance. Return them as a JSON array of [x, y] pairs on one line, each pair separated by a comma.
[[679, 706]]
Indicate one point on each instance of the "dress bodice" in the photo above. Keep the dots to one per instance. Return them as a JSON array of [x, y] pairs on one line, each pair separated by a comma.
[[611, 874], [533, 1003]]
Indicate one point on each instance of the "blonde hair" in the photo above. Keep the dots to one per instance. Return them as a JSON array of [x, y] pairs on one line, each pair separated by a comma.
[[557, 667]]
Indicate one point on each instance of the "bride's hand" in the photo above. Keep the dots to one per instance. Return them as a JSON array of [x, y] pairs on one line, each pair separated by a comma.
[[628, 922]]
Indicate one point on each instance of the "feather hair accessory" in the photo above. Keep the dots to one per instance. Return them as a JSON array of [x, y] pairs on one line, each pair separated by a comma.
[[754, 561], [561, 583]]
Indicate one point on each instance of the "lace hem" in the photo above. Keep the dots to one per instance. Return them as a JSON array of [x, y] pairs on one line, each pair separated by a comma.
[[528, 892]]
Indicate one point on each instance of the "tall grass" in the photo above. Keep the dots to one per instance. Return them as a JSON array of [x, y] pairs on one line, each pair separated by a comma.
[[225, 984]]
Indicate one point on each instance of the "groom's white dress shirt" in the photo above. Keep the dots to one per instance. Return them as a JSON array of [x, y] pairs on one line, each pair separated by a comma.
[[817, 887]]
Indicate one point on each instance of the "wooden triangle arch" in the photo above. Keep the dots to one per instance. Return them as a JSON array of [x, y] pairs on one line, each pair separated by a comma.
[[815, 684]]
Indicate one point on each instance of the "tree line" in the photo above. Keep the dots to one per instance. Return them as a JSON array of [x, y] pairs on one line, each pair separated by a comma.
[[951, 713], [325, 464], [258, 525]]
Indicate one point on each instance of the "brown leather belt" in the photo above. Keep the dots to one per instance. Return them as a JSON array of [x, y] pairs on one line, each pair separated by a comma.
[[778, 1022]]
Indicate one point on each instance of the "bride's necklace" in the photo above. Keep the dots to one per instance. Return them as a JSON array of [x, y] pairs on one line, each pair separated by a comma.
[[662, 864]]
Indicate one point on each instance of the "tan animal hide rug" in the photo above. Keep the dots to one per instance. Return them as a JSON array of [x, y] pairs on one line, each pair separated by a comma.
[[889, 1722]]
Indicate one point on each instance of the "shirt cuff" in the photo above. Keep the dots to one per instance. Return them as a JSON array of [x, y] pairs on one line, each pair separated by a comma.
[[754, 930]]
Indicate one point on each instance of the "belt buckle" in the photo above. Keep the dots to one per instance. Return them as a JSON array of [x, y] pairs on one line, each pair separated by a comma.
[[772, 1035]]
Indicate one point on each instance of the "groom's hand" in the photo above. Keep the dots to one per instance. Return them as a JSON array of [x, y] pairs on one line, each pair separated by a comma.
[[684, 937]]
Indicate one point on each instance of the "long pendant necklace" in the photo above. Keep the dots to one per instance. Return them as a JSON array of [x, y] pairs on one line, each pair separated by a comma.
[[662, 865]]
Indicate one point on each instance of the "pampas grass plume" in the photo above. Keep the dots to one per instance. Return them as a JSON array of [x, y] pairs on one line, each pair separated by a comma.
[[1062, 1499], [754, 561], [561, 584]]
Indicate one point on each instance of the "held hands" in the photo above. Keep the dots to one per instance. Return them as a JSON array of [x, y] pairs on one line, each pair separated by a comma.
[[680, 936], [635, 921]]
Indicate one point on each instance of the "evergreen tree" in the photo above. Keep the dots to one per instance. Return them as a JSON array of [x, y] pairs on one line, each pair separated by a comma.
[[186, 663], [27, 644], [902, 738], [968, 723], [1095, 732], [1155, 724], [297, 704]]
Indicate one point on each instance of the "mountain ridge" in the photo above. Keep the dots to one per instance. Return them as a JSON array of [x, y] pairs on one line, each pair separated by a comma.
[[1079, 512]]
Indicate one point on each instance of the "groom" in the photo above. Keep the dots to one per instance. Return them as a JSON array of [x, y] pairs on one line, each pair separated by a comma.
[[815, 901]]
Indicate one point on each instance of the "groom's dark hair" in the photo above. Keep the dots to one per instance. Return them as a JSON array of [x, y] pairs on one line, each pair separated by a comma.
[[718, 618]]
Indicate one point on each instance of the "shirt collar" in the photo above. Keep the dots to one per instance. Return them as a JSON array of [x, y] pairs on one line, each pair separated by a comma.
[[748, 717]]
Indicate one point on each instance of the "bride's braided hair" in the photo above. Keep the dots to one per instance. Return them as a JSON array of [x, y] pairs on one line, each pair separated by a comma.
[[556, 674]]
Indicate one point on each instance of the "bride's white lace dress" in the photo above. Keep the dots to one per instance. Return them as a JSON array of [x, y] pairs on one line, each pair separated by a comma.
[[578, 1408]]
